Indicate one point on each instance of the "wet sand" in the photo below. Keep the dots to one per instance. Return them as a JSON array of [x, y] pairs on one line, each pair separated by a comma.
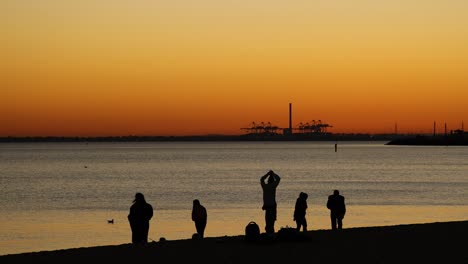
[[443, 242]]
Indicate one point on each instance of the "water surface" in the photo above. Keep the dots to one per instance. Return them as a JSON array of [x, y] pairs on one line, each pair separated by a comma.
[[60, 195]]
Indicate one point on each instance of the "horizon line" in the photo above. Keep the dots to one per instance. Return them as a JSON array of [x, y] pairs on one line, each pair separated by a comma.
[[219, 135]]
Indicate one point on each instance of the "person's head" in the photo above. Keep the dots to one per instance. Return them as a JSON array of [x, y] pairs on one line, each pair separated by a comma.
[[196, 202], [303, 195], [139, 198], [336, 192]]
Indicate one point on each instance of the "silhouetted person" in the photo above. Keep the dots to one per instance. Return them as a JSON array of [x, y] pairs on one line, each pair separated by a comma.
[[269, 199], [336, 204], [199, 216], [300, 212], [140, 214]]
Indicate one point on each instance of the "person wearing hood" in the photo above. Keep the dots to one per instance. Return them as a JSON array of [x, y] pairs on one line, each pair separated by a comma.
[[140, 215], [300, 212], [199, 216]]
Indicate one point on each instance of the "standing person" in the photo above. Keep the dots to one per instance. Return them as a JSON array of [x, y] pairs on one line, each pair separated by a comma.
[[269, 199], [140, 214], [336, 204], [199, 216], [300, 212]]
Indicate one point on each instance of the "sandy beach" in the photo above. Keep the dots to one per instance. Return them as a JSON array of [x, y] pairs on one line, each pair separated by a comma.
[[441, 242]]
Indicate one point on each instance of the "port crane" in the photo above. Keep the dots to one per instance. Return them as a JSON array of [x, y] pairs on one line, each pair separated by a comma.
[[261, 128], [313, 127], [267, 128]]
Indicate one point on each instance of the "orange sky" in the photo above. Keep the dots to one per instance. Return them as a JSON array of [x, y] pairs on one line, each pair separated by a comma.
[[180, 67]]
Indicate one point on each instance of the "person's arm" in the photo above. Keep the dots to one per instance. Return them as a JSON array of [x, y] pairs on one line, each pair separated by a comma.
[[205, 214], [150, 212], [193, 214], [344, 206], [296, 208], [277, 178], [262, 179], [130, 215]]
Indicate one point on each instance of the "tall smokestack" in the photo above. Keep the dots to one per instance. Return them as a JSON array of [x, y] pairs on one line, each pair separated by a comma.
[[290, 118]]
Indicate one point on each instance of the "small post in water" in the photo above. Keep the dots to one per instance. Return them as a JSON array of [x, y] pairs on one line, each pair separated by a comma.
[[336, 147]]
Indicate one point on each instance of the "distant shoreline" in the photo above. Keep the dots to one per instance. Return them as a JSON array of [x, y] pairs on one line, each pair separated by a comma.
[[196, 138], [438, 140], [392, 139]]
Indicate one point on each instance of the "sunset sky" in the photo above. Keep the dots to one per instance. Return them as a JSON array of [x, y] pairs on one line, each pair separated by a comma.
[[183, 67]]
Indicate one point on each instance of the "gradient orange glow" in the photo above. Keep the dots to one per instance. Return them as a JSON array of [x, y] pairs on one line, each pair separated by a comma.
[[181, 67]]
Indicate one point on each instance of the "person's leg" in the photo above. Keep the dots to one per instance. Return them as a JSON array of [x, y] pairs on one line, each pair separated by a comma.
[[273, 219], [298, 225], [304, 225], [270, 220], [144, 233], [200, 226], [137, 236], [197, 227], [202, 229], [134, 233], [333, 221], [340, 222]]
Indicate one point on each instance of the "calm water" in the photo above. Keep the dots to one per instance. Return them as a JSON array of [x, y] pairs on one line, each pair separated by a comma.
[[60, 195]]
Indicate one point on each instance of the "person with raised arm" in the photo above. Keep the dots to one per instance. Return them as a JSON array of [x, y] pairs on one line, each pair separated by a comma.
[[269, 199]]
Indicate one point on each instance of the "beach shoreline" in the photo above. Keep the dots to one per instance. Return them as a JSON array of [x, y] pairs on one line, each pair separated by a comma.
[[439, 242]]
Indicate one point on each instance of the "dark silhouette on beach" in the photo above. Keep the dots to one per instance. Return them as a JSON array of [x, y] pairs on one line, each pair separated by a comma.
[[429, 243], [269, 199], [199, 216], [252, 232], [140, 214], [300, 212], [336, 204]]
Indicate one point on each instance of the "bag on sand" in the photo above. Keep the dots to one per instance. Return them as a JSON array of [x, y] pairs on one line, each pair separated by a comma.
[[252, 232], [291, 234]]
